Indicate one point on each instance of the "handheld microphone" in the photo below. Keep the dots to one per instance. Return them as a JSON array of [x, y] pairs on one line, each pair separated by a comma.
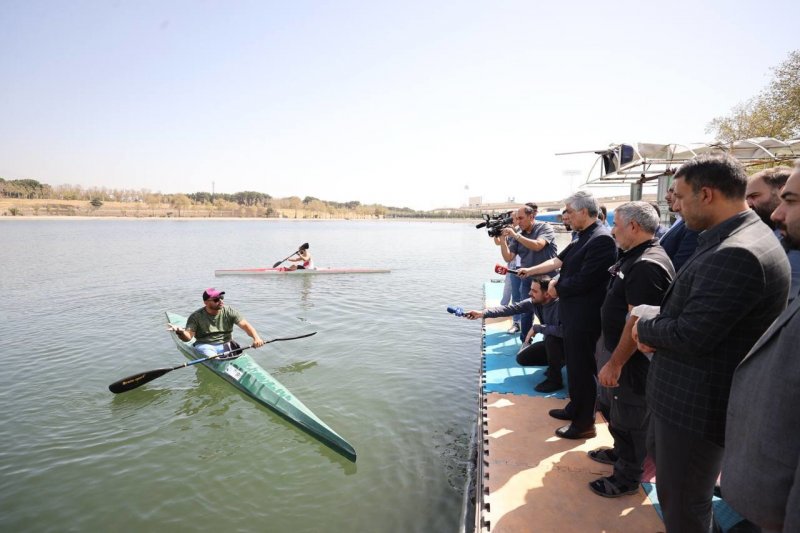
[[500, 269], [458, 311]]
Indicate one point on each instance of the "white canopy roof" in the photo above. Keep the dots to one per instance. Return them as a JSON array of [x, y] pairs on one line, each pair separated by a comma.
[[641, 162]]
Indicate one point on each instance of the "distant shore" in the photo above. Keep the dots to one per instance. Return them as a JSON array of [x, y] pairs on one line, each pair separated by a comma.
[[251, 219]]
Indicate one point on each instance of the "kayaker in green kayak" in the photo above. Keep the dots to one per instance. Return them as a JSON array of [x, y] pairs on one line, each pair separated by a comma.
[[212, 326]]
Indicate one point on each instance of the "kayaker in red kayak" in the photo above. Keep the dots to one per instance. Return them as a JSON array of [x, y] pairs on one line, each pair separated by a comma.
[[212, 325], [304, 257]]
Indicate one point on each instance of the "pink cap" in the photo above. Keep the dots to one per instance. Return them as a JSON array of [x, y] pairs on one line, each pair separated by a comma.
[[212, 293]]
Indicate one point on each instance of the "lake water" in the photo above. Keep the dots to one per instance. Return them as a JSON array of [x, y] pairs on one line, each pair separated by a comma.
[[389, 369]]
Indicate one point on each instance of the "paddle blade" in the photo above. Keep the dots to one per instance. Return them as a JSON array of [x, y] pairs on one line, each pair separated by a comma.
[[137, 380], [276, 264], [304, 246]]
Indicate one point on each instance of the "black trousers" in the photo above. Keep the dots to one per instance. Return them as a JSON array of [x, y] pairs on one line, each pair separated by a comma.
[[549, 352], [579, 346], [625, 408], [526, 320], [687, 466]]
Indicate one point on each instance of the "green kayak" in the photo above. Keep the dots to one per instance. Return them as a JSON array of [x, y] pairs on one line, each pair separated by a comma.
[[248, 376]]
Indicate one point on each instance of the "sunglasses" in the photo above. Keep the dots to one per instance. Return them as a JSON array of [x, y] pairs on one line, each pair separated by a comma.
[[216, 300]]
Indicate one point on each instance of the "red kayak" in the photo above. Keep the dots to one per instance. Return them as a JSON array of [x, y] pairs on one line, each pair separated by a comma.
[[281, 271]]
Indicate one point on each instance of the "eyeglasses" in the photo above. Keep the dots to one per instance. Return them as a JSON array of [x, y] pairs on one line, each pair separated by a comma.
[[614, 269]]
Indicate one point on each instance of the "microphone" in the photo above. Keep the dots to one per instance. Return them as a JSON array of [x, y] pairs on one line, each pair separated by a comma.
[[458, 311], [500, 269], [481, 225]]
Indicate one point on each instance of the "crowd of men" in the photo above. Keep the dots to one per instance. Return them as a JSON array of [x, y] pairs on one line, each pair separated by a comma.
[[685, 343]]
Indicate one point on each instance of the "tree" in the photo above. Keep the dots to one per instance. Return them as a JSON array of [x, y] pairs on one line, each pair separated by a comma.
[[179, 202], [775, 112], [153, 201], [96, 203]]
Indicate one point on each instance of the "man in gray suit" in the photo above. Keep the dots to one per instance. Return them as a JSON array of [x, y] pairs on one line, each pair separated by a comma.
[[721, 302], [761, 466]]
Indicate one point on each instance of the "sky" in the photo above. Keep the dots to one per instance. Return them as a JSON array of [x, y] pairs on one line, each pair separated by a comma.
[[417, 104]]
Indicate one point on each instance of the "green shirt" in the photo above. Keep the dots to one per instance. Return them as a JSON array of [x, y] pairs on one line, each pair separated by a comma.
[[215, 329]]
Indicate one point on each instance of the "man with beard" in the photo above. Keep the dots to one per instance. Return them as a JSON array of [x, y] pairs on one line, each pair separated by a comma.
[[212, 325], [763, 196], [761, 467], [721, 301], [679, 241], [550, 350]]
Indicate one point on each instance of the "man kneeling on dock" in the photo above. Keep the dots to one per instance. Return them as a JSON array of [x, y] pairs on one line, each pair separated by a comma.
[[550, 351]]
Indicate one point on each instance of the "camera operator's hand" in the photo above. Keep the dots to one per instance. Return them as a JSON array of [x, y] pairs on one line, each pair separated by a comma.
[[510, 232], [474, 315], [498, 241]]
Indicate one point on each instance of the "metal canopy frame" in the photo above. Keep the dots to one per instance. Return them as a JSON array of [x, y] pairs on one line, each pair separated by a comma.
[[628, 163]]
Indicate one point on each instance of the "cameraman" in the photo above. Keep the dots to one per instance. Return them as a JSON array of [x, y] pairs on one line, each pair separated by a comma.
[[534, 243]]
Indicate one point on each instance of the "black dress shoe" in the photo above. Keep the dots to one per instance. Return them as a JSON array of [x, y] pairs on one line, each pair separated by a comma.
[[548, 386], [569, 432], [561, 414]]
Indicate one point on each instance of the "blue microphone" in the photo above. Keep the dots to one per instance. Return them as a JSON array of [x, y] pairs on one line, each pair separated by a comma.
[[456, 311]]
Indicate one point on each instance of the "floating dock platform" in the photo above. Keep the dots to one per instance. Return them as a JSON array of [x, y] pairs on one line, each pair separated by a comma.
[[525, 479]]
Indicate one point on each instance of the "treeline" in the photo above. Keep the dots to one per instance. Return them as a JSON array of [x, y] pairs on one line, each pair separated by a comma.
[[27, 189], [244, 203]]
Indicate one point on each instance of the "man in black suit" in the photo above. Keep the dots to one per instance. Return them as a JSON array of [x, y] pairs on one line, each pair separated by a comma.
[[581, 287], [722, 300], [679, 241]]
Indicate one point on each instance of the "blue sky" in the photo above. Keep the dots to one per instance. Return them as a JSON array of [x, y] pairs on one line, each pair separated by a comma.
[[417, 104]]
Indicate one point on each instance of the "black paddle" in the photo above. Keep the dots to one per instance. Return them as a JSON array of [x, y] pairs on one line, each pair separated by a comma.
[[303, 246], [137, 380]]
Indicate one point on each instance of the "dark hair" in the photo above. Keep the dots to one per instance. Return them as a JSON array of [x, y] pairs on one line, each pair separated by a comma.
[[543, 282], [775, 177], [655, 206], [530, 209], [721, 172], [533, 206]]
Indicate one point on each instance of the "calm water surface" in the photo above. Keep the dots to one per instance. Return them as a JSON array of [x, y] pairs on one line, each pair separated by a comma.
[[390, 370]]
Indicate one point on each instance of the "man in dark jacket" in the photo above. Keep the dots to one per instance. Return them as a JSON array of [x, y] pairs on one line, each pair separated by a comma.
[[581, 288], [550, 350], [722, 300], [761, 466], [640, 277], [678, 241]]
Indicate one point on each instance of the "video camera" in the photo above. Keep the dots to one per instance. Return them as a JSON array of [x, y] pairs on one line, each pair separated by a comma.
[[494, 224]]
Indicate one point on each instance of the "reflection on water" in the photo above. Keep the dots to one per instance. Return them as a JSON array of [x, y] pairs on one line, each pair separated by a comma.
[[130, 403], [294, 368]]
